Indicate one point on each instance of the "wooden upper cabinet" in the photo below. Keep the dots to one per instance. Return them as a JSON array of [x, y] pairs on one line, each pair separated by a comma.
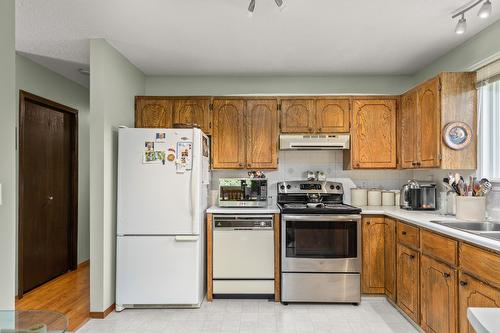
[[373, 133], [474, 293], [332, 115], [408, 130], [228, 134], [151, 112], [193, 111], [390, 258], [262, 133], [429, 124], [438, 296], [408, 281], [373, 276], [297, 115]]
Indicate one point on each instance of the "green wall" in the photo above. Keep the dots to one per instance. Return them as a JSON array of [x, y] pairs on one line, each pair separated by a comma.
[[7, 154], [38, 80], [478, 50], [114, 82]]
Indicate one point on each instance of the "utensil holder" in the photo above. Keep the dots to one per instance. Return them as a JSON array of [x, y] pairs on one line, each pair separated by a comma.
[[471, 208]]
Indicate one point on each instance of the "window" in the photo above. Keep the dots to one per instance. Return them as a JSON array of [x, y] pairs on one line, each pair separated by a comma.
[[489, 129]]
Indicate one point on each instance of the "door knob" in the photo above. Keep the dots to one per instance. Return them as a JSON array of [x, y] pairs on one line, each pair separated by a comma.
[[412, 256], [51, 198], [463, 283], [446, 275]]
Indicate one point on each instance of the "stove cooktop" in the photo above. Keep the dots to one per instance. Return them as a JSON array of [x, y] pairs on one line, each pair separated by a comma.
[[318, 208]]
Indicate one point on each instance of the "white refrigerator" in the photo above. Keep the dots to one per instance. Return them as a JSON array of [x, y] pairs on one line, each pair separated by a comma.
[[163, 178]]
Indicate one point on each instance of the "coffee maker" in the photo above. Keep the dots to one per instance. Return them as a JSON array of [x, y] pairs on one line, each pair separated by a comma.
[[419, 196]]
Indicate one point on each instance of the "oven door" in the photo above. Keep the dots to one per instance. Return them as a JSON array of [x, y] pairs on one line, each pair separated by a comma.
[[321, 243]]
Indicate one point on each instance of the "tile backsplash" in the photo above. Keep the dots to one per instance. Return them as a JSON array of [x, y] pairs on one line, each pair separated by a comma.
[[294, 164]]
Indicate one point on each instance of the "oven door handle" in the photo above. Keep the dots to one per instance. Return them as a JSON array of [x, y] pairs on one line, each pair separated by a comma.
[[320, 217]]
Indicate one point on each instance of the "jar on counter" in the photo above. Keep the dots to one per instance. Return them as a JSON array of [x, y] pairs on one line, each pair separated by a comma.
[[388, 198], [374, 197], [493, 201], [359, 197]]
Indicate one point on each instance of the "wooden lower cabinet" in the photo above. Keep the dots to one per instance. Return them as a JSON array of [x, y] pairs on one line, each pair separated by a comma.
[[474, 293], [438, 296], [408, 281], [390, 258], [373, 276]]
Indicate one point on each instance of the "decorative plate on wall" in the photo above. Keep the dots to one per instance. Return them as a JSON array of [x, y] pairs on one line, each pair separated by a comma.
[[457, 135]]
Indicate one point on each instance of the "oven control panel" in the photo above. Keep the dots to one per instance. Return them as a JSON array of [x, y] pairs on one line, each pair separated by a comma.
[[300, 187]]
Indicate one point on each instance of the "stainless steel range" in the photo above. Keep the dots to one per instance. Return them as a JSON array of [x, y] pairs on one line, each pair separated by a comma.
[[320, 243]]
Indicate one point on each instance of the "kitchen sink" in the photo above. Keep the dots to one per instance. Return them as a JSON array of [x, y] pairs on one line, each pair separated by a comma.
[[471, 226]]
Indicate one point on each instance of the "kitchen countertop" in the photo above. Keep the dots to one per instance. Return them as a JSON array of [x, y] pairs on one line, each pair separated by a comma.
[[484, 320], [424, 218], [271, 209]]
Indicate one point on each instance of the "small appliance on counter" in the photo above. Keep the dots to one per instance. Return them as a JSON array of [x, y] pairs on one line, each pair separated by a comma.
[[418, 196], [243, 192]]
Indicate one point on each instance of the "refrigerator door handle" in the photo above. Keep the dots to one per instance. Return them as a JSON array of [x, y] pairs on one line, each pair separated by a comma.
[[190, 238]]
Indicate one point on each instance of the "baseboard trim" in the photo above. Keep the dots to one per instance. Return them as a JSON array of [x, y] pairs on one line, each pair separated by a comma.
[[84, 263], [102, 315]]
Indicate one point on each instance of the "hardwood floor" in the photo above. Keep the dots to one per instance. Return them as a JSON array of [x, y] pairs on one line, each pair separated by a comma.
[[68, 294]]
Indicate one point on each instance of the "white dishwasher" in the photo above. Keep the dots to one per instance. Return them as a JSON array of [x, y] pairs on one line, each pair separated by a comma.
[[243, 255]]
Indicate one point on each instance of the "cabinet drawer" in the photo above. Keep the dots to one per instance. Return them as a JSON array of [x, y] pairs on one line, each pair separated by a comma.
[[408, 235], [439, 247], [481, 263]]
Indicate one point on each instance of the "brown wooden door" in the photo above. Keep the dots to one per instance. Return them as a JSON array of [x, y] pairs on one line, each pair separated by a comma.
[[374, 133], [409, 130], [438, 296], [429, 124], [390, 258], [228, 134], [474, 293], [47, 191], [332, 115], [193, 111], [153, 112], [262, 133], [407, 285], [297, 115], [373, 276]]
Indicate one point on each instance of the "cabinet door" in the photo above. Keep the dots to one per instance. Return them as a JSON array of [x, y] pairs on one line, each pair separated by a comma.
[[474, 293], [373, 275], [374, 133], [297, 115], [193, 111], [390, 258], [408, 130], [438, 296], [429, 124], [262, 133], [332, 115], [408, 281], [228, 134], [153, 112]]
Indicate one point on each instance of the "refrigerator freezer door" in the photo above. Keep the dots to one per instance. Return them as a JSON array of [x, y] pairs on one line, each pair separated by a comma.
[[155, 199], [159, 270]]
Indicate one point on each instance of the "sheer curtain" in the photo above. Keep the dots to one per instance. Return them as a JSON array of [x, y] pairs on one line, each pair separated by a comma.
[[489, 131]]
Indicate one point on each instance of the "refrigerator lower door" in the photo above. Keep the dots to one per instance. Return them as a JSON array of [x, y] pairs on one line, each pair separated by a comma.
[[159, 271]]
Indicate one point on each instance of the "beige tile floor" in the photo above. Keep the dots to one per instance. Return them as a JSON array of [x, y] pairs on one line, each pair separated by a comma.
[[374, 314]]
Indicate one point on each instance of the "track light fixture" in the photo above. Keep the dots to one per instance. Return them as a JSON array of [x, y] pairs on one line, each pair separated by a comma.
[[484, 12], [251, 7]]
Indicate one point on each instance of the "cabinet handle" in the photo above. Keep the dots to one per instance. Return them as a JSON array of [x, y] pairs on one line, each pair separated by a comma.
[[446, 275], [241, 164], [419, 163], [404, 233], [368, 222], [412, 256], [463, 283], [310, 129], [249, 165]]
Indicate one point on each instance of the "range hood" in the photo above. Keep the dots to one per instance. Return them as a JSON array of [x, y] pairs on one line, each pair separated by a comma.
[[314, 142]]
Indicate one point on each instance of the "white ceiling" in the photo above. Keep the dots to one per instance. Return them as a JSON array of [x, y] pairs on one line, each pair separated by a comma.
[[215, 37]]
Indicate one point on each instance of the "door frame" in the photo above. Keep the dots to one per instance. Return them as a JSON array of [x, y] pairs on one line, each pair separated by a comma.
[[25, 96]]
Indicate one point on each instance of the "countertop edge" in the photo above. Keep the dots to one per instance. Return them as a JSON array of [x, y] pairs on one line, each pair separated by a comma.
[[422, 219], [484, 320]]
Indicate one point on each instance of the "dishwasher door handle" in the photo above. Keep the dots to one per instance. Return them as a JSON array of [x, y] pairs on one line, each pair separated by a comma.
[[187, 238]]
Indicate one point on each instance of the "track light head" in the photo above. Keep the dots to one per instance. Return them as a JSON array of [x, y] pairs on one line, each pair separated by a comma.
[[461, 26], [251, 8], [485, 10], [280, 3]]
